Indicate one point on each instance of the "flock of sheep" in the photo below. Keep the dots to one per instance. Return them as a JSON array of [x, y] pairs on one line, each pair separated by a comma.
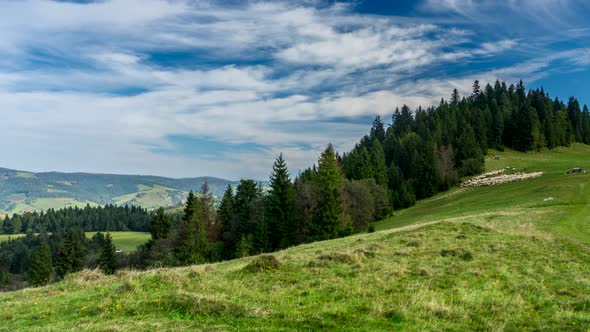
[[498, 177]]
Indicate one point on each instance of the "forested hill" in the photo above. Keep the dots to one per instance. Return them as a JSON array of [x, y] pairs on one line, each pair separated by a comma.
[[25, 191]]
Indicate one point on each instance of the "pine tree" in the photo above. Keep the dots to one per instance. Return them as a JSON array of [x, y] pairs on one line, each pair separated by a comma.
[[455, 98], [226, 218], [282, 223], [107, 261], [378, 164], [71, 256], [378, 130], [41, 271], [207, 210], [160, 225], [191, 245], [327, 215], [246, 194], [523, 136], [364, 166], [262, 235]]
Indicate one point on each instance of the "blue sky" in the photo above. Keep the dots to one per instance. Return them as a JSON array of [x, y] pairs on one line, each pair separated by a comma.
[[192, 88]]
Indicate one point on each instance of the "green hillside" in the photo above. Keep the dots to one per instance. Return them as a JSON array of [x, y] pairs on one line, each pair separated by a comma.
[[512, 257], [26, 192]]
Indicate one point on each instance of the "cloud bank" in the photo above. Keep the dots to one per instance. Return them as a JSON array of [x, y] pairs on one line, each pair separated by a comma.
[[191, 88]]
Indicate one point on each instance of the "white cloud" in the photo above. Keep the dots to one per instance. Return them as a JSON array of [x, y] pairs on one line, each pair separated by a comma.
[[277, 75]]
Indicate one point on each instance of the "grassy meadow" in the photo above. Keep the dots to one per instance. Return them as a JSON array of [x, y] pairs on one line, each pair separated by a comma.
[[126, 241], [491, 258]]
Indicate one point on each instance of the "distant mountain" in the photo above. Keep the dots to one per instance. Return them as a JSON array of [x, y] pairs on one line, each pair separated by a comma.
[[22, 191]]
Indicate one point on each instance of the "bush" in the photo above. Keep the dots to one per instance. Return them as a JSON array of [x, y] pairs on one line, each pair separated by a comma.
[[472, 166]]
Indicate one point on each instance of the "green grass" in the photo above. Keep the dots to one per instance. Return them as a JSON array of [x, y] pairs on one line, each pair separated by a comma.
[[567, 215], [491, 259], [126, 241]]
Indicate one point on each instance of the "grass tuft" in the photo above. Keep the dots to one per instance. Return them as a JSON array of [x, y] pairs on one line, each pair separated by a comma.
[[263, 263], [458, 252]]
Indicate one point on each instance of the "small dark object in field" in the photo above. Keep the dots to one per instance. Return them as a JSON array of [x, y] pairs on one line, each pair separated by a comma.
[[574, 170], [459, 253], [371, 229], [461, 236], [414, 244], [263, 263]]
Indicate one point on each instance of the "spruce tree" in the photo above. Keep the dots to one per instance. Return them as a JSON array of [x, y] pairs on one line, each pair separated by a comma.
[[378, 164], [282, 223], [71, 255], [191, 245], [107, 261], [160, 225], [327, 215], [226, 218], [246, 194], [41, 271], [378, 130]]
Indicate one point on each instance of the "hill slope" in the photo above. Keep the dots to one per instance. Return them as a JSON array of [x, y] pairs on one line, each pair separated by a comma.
[[25, 191], [490, 258]]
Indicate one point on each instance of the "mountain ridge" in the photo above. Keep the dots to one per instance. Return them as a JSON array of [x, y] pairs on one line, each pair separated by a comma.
[[25, 191]]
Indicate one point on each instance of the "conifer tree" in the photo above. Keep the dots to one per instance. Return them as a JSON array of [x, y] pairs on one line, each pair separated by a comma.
[[107, 261], [378, 130], [41, 270], [262, 235], [226, 218], [71, 255], [282, 223], [327, 215], [160, 225], [378, 164], [246, 194], [191, 244]]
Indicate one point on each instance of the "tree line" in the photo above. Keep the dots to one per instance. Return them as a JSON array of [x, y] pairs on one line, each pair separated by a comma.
[[421, 152], [89, 219], [35, 260]]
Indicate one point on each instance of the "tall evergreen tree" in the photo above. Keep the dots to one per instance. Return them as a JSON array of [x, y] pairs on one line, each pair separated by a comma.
[[282, 223], [228, 226], [108, 261], [327, 215], [191, 244], [160, 225], [378, 130], [71, 255], [378, 164], [246, 194], [41, 270]]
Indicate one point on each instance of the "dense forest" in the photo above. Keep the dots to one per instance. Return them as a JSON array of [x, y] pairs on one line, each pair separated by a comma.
[[106, 218], [422, 152]]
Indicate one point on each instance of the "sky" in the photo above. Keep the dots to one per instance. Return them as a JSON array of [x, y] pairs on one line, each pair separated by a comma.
[[186, 88]]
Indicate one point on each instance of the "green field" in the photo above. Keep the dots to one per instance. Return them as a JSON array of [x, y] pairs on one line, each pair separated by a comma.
[[566, 215], [126, 241], [492, 258]]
